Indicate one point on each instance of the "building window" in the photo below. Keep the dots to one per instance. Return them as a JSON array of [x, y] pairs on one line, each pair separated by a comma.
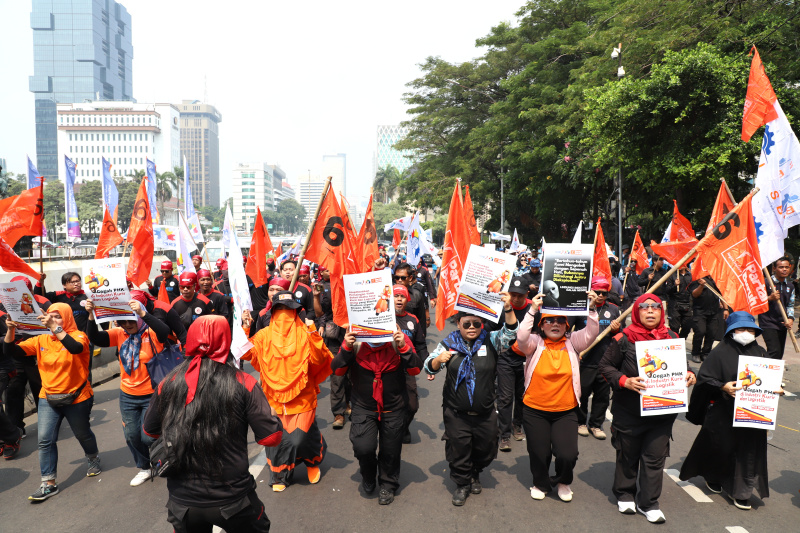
[[248, 190], [70, 135]]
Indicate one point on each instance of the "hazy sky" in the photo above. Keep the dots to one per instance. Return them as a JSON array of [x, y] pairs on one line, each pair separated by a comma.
[[293, 80]]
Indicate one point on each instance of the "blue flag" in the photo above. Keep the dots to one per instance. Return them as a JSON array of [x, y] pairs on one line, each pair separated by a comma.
[[151, 189], [33, 175], [73, 224], [110, 193]]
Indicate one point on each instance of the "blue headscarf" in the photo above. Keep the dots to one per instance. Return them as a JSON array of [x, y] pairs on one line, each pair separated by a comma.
[[129, 350], [466, 372]]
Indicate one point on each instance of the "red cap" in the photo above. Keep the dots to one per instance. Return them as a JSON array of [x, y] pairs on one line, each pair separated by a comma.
[[400, 289], [270, 261], [280, 282], [600, 283], [187, 278], [222, 264], [197, 257], [25, 279], [203, 273], [305, 271], [166, 265]]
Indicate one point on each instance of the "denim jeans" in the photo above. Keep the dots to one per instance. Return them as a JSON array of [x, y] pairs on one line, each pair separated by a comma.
[[132, 410], [50, 419]]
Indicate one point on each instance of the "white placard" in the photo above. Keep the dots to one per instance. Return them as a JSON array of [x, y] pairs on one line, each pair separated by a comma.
[[486, 274], [756, 404], [662, 364], [104, 280], [22, 307], [566, 278], [370, 305]]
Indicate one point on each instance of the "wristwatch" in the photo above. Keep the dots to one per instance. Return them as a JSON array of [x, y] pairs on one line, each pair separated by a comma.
[[58, 330]]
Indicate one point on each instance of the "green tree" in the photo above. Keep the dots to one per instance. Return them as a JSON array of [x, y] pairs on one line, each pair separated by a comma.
[[214, 215], [386, 182], [291, 215], [166, 187], [385, 213], [89, 199], [438, 226], [54, 206], [127, 188]]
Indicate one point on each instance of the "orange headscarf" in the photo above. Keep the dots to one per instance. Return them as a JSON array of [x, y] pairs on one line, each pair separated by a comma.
[[65, 311]]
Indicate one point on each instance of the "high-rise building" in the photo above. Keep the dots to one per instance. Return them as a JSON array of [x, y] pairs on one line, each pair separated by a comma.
[[281, 190], [82, 50], [200, 146], [125, 133], [335, 166], [253, 186], [386, 155], [285, 192], [309, 189]]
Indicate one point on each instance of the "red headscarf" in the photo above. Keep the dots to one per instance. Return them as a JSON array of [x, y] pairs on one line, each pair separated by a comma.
[[142, 296], [280, 282], [208, 336], [26, 279], [203, 273], [400, 289], [638, 331]]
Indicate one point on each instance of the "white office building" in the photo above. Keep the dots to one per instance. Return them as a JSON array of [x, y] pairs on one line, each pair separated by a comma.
[[125, 133], [253, 187], [335, 166]]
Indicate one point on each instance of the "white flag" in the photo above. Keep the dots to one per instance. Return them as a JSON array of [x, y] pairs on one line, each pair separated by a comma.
[[401, 223], [577, 238], [417, 243], [239, 289], [515, 242], [185, 246]]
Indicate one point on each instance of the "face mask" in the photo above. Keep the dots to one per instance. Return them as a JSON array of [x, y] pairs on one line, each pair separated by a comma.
[[744, 338]]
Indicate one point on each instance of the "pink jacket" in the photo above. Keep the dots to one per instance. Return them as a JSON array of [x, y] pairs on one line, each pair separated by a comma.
[[532, 346]]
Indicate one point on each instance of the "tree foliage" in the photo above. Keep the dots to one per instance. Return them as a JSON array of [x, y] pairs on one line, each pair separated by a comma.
[[385, 213]]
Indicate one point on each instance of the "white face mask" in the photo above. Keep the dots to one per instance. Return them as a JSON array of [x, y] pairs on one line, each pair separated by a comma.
[[744, 338]]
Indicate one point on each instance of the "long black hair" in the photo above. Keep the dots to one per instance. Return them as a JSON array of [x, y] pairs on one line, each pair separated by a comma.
[[201, 430]]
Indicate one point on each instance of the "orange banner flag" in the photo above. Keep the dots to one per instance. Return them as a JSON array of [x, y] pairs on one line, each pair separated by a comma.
[[109, 236], [730, 255], [681, 238], [140, 237], [601, 267], [759, 103], [722, 206], [368, 239], [469, 216], [681, 229], [639, 254], [162, 293], [397, 238], [456, 248], [328, 234], [21, 215], [260, 246], [11, 262]]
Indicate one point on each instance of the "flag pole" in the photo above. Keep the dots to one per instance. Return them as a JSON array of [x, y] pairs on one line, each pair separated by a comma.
[[665, 277], [309, 232], [41, 237]]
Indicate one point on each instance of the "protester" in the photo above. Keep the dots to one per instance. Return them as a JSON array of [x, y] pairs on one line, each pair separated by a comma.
[[641, 442], [137, 345], [731, 460], [470, 421], [652, 275], [222, 265], [72, 295], [170, 282], [302, 292], [10, 437], [774, 328], [204, 409], [679, 302], [274, 286], [380, 401], [705, 308], [206, 283], [630, 285], [191, 305], [417, 303], [409, 325], [292, 360], [196, 262], [165, 313], [63, 361]]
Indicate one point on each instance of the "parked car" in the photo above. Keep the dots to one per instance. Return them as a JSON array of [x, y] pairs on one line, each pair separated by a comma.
[[45, 244]]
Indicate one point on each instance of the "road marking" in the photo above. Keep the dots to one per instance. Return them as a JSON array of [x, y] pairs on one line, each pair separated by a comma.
[[736, 529], [790, 394], [691, 489], [256, 467], [790, 429], [609, 416]]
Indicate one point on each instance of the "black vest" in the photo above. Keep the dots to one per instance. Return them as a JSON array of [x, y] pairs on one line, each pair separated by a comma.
[[485, 361]]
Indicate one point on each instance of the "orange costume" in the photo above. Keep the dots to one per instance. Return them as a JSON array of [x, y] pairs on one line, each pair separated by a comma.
[[383, 302], [497, 284]]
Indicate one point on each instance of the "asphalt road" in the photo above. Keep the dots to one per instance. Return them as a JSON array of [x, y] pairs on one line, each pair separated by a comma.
[[108, 503]]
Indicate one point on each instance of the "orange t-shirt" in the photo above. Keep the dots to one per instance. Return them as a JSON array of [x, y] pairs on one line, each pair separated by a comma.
[[61, 371], [139, 383], [551, 388]]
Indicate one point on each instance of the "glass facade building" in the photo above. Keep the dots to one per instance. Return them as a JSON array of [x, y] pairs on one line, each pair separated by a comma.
[[386, 155], [82, 50], [200, 146]]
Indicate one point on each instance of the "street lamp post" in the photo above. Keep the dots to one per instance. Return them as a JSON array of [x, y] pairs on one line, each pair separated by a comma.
[[617, 54]]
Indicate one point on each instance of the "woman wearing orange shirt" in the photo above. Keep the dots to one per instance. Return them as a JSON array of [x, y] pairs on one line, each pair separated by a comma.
[[135, 341], [63, 361], [552, 393]]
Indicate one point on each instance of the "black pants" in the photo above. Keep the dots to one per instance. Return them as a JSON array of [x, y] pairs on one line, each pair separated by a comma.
[[413, 401], [246, 515], [470, 443], [385, 436], [641, 456], [340, 393], [15, 407], [9, 432], [594, 384], [775, 339], [680, 320], [705, 327], [551, 434], [510, 389]]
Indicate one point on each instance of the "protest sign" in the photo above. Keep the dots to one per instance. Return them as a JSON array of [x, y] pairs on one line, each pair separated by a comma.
[[105, 280], [22, 308], [662, 364], [756, 404], [566, 278], [370, 305], [487, 273]]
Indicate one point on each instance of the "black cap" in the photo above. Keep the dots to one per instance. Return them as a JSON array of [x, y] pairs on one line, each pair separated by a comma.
[[626, 246], [286, 299], [518, 286]]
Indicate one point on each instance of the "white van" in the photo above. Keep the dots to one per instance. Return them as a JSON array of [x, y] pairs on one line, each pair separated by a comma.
[[214, 249]]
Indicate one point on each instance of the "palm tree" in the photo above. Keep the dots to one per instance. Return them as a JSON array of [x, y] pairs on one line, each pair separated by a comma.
[[165, 184], [386, 181]]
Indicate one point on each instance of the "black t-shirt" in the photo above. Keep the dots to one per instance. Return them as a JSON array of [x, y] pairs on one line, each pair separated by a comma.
[[409, 325], [168, 316], [172, 286], [485, 361], [220, 303], [708, 302], [200, 489], [416, 306], [189, 311]]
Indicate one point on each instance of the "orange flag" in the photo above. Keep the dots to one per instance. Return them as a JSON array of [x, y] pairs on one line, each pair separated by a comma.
[[109, 236], [722, 206], [456, 248], [681, 238], [21, 215], [639, 254], [140, 237], [759, 104], [328, 234], [260, 246], [368, 239], [162, 293], [601, 267], [730, 255], [397, 238], [469, 216], [352, 250], [681, 229], [11, 262]]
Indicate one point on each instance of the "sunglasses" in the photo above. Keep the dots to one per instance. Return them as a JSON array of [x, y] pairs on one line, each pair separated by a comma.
[[601, 293], [400, 278], [555, 320], [646, 305], [467, 324]]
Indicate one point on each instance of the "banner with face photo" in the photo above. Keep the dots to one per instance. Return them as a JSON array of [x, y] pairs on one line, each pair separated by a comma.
[[566, 278], [370, 305], [662, 364], [22, 308], [487, 273], [105, 282], [756, 404]]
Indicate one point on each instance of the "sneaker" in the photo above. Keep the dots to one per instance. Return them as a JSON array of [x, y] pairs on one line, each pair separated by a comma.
[[278, 487], [654, 516], [505, 444], [24, 434], [94, 466], [44, 492], [143, 475], [716, 488], [461, 494], [742, 504], [338, 422], [626, 507], [348, 412], [11, 450], [475, 486], [368, 487], [385, 497], [583, 431], [519, 433], [696, 359], [313, 474], [537, 494], [564, 492], [598, 433]]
